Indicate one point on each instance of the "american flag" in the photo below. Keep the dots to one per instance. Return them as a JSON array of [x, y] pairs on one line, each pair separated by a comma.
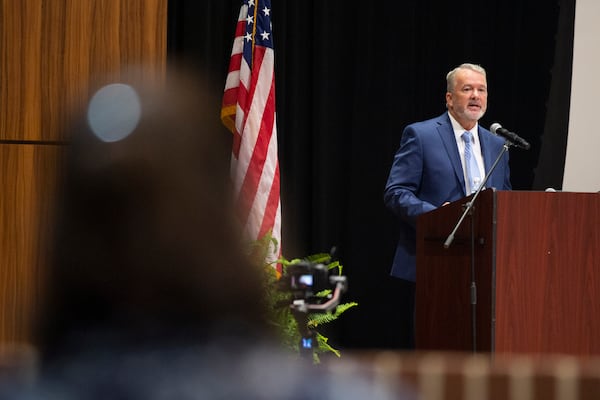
[[248, 111]]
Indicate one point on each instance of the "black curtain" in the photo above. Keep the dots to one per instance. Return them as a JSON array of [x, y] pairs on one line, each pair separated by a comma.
[[349, 78]]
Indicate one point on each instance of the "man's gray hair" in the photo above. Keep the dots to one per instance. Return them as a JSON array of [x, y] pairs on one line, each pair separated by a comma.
[[450, 78]]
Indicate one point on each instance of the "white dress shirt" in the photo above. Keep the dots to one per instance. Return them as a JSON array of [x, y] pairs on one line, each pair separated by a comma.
[[475, 146]]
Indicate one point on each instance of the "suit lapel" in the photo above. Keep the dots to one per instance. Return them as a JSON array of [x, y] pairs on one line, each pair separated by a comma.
[[447, 136]]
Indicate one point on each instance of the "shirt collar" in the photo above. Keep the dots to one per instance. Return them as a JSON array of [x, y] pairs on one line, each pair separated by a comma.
[[459, 130]]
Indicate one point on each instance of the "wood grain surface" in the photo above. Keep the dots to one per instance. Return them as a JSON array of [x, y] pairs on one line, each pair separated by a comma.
[[53, 56]]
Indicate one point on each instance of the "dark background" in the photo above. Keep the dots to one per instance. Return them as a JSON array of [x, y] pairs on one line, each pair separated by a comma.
[[349, 79]]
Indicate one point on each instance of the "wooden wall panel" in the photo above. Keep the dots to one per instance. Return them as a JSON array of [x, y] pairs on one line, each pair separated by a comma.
[[27, 176], [20, 99], [53, 56]]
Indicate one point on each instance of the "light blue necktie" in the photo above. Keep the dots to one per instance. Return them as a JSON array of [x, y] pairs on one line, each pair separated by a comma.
[[473, 175]]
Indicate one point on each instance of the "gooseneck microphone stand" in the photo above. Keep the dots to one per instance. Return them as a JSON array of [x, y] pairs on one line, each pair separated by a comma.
[[468, 211]]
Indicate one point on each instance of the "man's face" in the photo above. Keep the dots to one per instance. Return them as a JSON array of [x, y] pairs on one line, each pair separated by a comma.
[[467, 101]]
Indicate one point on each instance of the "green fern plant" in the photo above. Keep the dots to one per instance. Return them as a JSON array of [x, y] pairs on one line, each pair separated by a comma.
[[278, 301]]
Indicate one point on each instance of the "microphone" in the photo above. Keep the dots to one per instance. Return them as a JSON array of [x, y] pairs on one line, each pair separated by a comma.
[[515, 139]]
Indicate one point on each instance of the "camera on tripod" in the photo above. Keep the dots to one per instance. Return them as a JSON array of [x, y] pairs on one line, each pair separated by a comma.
[[313, 288], [308, 282]]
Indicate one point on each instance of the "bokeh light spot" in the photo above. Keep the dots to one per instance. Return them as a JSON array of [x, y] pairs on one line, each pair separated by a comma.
[[114, 112]]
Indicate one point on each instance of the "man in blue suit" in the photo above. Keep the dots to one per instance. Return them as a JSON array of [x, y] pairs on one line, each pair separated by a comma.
[[429, 168]]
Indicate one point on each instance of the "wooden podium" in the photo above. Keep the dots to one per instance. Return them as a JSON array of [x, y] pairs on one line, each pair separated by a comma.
[[529, 283]]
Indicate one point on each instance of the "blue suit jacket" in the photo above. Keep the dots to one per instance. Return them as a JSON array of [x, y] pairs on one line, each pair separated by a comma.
[[426, 173]]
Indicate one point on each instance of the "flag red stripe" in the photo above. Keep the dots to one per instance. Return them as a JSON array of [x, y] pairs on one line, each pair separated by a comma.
[[240, 27], [230, 97], [272, 206], [235, 62]]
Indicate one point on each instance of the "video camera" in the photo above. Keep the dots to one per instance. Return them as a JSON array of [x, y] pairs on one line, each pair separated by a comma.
[[305, 280]]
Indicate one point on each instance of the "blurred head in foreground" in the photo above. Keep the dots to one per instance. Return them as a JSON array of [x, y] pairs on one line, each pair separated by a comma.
[[150, 295], [145, 247]]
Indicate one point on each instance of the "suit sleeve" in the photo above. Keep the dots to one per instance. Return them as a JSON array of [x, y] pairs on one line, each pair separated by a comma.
[[404, 181]]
